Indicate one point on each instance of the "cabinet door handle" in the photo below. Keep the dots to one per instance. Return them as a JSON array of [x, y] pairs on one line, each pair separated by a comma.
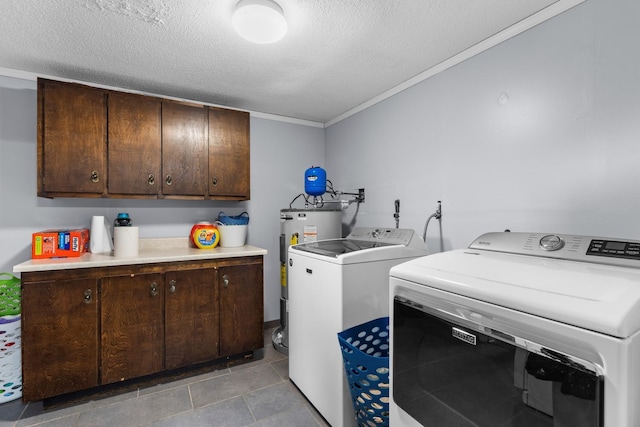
[[169, 180], [151, 180], [214, 181], [94, 176], [225, 281], [172, 286], [88, 296], [154, 289]]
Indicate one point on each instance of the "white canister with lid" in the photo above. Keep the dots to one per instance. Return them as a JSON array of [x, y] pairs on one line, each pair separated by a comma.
[[233, 235]]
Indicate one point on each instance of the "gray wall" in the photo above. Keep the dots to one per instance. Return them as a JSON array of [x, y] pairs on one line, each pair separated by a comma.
[[280, 153], [540, 133]]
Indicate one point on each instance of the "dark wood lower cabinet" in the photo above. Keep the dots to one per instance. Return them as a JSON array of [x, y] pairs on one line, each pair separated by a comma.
[[192, 325], [83, 328], [132, 338], [59, 337], [241, 309]]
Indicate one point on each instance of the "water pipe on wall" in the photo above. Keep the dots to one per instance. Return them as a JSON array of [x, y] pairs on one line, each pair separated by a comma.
[[437, 215], [396, 215]]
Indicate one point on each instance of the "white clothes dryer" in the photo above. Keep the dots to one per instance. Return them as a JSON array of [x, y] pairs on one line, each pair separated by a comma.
[[334, 285], [519, 329]]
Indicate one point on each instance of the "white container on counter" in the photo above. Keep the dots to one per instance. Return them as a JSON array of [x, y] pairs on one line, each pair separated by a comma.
[[232, 236], [125, 242]]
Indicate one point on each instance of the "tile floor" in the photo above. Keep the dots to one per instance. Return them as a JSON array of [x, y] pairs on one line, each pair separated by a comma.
[[257, 393]]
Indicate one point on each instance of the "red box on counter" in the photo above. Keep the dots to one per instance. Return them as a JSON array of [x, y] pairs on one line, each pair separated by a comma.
[[60, 243]]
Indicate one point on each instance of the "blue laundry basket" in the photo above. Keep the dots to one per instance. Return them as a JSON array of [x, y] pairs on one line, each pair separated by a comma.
[[242, 219], [365, 352]]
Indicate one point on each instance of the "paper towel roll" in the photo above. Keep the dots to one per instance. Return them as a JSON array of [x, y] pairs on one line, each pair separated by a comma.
[[125, 242], [99, 238]]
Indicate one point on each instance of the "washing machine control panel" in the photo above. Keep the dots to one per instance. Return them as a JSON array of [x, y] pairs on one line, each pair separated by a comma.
[[394, 236], [598, 250], [614, 248]]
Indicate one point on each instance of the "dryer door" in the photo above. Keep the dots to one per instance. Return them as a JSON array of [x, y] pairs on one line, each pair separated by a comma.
[[447, 372]]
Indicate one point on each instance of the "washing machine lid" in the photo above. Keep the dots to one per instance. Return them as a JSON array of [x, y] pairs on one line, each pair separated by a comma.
[[594, 296], [366, 244], [370, 240], [337, 247]]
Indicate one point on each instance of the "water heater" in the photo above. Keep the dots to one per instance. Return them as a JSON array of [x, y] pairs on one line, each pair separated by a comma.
[[300, 226]]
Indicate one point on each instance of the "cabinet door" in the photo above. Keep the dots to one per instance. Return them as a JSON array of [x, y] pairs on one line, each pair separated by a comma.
[[184, 149], [191, 317], [72, 147], [132, 326], [59, 337], [134, 130], [241, 308], [228, 154]]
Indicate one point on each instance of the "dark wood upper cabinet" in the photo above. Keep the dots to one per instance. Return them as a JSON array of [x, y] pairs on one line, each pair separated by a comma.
[[103, 143], [184, 149], [229, 171], [135, 142], [72, 140]]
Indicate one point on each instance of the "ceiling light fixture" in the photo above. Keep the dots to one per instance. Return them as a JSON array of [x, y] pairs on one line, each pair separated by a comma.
[[259, 21]]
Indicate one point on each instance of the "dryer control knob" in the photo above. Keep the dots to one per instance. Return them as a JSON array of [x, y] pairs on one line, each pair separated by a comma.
[[551, 242]]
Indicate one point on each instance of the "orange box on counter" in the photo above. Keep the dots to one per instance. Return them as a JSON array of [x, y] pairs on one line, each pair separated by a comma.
[[60, 243]]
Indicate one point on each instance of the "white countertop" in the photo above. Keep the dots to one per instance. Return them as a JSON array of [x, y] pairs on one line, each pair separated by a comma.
[[149, 251]]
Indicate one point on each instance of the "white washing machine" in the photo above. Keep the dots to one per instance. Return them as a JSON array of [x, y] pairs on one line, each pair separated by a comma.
[[519, 329], [334, 285]]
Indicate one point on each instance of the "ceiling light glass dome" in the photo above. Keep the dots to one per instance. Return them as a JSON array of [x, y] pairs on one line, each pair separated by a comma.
[[259, 21]]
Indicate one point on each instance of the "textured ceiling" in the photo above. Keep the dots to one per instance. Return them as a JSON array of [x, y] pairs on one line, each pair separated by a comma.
[[337, 56]]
